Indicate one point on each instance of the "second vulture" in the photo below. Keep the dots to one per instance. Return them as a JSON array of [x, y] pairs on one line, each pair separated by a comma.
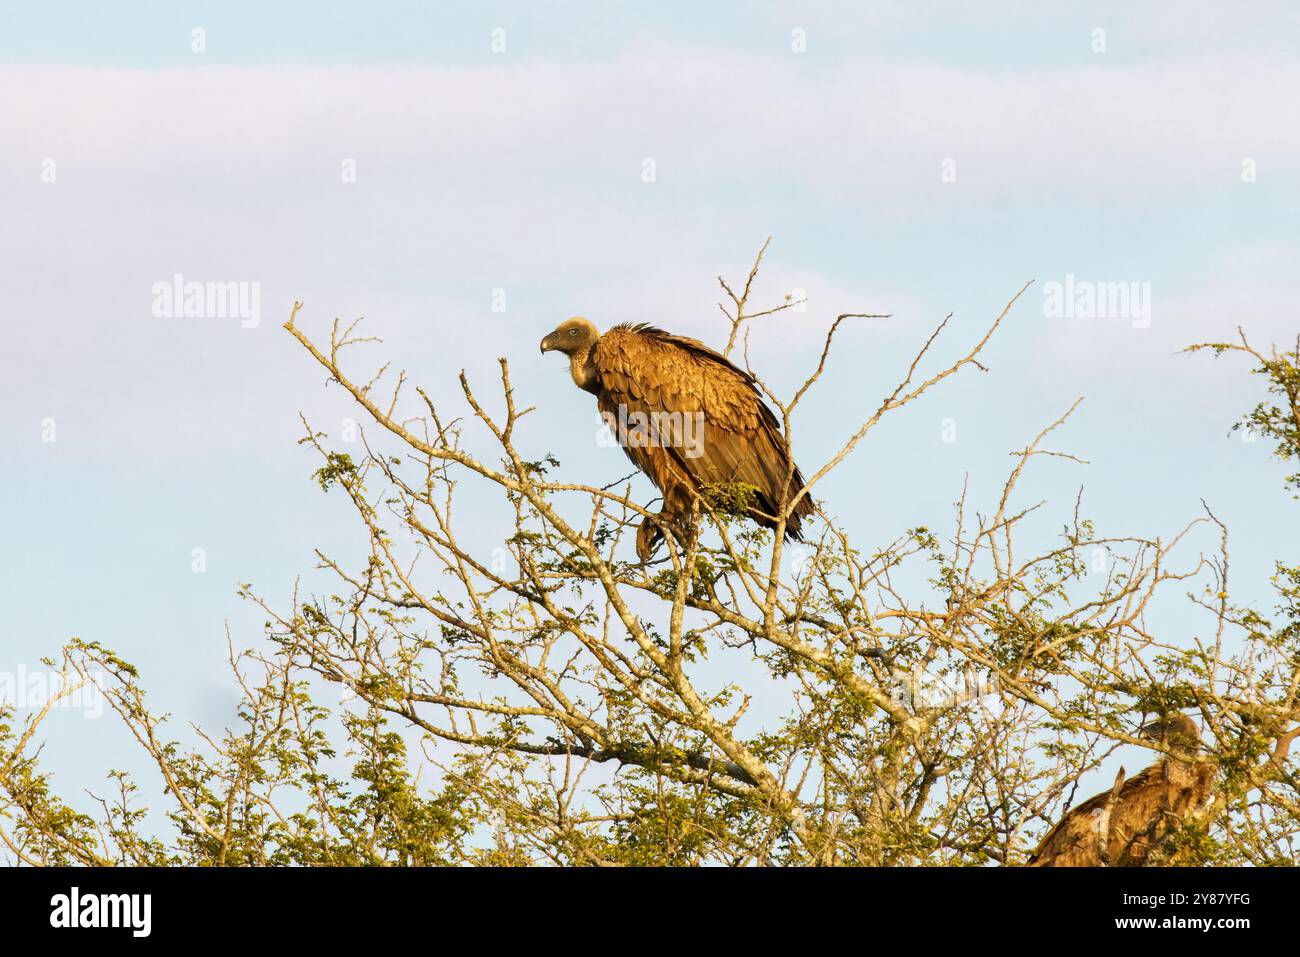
[[1130, 825], [688, 418]]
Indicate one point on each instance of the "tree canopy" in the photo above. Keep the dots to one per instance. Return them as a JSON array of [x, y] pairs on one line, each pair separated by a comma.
[[549, 698]]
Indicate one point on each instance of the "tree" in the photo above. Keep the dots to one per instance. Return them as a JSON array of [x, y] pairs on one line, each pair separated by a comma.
[[582, 708]]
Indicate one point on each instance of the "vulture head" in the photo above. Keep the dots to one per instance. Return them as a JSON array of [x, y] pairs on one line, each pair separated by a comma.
[[1175, 730], [573, 337]]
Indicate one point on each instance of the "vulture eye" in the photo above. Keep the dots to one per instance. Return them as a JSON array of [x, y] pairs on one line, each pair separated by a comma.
[[573, 332]]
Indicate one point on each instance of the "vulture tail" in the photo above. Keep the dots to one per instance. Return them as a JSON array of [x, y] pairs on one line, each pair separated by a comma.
[[769, 503]]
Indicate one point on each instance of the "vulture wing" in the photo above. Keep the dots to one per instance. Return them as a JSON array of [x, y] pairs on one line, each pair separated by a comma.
[[709, 422], [1076, 840], [1132, 824]]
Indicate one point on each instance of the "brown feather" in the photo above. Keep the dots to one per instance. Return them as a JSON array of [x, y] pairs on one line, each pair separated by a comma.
[[647, 372], [1146, 809]]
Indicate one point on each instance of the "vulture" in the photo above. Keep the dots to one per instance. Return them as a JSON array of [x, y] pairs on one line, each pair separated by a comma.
[[1123, 826], [686, 417]]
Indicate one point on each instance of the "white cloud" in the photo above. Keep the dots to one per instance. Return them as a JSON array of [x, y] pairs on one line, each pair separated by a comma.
[[527, 177], [878, 127]]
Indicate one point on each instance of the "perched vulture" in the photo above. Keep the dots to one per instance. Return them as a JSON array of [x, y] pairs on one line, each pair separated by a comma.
[[1123, 826], [687, 418]]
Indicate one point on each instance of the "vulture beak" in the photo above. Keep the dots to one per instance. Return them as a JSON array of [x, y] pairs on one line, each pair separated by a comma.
[[545, 341]]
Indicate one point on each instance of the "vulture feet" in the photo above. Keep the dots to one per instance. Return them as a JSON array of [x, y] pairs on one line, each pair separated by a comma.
[[651, 533]]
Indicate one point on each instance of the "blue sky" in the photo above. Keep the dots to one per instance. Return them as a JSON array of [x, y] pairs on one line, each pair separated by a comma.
[[522, 170]]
